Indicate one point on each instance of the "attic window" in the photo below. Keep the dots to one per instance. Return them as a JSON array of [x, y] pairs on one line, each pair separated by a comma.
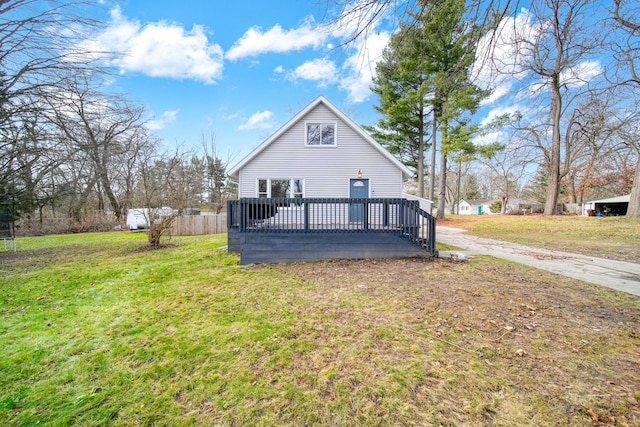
[[321, 134]]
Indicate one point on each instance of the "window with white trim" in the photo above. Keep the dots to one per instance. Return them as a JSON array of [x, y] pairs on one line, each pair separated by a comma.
[[321, 134], [285, 188]]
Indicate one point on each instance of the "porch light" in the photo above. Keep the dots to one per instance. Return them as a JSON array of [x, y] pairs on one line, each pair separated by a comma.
[[359, 174]]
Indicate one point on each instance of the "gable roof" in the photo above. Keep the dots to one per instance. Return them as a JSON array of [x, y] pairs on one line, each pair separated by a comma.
[[406, 172]]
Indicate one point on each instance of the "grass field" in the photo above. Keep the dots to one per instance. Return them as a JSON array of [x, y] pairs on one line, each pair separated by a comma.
[[96, 329]]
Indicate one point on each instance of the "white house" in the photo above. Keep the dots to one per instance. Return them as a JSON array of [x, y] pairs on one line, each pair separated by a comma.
[[320, 153], [350, 188], [474, 207]]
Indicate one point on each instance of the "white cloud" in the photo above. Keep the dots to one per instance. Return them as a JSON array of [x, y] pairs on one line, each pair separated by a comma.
[[261, 120], [166, 118], [581, 74], [355, 76], [498, 91], [502, 110], [230, 116], [321, 70], [500, 54], [159, 49], [489, 138], [255, 41], [361, 65]]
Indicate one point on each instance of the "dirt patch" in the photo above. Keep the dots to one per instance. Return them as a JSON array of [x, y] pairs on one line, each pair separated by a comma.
[[493, 340], [148, 248]]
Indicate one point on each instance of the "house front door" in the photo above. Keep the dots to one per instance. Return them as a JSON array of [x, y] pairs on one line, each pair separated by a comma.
[[358, 189]]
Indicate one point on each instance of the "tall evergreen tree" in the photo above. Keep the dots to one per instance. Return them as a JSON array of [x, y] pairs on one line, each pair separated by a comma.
[[449, 45], [402, 86], [426, 70]]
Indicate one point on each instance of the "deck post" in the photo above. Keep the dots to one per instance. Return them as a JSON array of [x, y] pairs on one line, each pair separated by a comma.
[[306, 217], [243, 215], [365, 220], [401, 216], [385, 214]]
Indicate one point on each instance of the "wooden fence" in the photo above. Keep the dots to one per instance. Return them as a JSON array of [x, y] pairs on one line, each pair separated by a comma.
[[199, 224]]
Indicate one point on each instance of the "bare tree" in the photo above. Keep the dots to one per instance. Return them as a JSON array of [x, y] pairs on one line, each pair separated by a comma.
[[163, 190], [627, 57], [218, 187], [39, 47], [554, 52], [107, 129], [508, 164], [358, 19]]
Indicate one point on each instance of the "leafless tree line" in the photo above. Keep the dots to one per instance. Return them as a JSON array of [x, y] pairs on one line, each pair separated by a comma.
[[70, 147], [574, 68]]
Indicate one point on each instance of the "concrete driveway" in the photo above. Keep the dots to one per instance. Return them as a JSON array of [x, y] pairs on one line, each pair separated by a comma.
[[623, 276]]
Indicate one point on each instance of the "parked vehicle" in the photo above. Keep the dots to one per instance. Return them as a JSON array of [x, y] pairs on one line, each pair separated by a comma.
[[138, 219]]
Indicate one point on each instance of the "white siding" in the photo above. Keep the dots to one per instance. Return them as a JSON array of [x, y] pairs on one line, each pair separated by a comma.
[[326, 170]]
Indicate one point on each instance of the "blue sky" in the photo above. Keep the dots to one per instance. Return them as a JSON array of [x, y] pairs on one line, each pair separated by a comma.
[[235, 69], [240, 69]]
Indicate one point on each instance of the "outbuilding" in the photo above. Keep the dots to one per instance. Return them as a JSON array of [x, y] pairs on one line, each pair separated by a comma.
[[604, 207]]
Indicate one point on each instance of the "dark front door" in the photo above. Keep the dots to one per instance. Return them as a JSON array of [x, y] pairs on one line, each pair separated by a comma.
[[358, 189]]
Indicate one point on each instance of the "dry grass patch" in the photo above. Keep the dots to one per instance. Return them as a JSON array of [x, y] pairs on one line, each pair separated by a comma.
[[604, 237], [484, 343]]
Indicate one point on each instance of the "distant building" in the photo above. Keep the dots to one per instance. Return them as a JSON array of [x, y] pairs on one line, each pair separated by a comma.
[[475, 207], [605, 207]]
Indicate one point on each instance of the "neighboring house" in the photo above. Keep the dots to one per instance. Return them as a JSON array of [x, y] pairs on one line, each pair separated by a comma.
[[609, 206], [474, 207], [322, 159]]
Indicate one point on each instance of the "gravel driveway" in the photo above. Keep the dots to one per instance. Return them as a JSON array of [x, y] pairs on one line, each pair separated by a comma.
[[623, 276]]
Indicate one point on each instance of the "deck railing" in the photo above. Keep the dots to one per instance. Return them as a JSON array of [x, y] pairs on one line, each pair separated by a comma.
[[7, 229], [322, 215]]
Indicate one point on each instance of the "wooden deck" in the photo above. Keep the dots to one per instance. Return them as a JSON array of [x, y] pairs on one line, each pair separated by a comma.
[[276, 230]]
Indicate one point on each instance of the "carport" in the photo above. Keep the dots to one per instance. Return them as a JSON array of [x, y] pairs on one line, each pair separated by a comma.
[[612, 206]]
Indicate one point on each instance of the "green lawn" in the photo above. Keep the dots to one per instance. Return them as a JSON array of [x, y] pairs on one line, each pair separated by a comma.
[[97, 330]]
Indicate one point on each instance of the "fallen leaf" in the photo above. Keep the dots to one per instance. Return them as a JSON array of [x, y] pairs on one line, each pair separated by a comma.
[[593, 415]]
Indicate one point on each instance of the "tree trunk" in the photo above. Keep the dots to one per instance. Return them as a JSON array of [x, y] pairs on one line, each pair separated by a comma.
[[420, 168], [434, 149], [106, 186], [457, 199], [442, 185], [553, 183], [633, 210]]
